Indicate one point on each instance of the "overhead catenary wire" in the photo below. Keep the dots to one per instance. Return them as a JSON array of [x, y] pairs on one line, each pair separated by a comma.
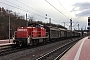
[[21, 9], [30, 7], [25, 5], [33, 9], [13, 6], [75, 24], [56, 8], [64, 8]]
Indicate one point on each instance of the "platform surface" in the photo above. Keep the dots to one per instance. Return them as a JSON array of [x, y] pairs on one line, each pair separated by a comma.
[[6, 42], [80, 51]]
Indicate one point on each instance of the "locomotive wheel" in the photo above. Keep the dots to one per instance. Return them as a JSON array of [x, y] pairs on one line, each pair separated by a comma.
[[20, 43]]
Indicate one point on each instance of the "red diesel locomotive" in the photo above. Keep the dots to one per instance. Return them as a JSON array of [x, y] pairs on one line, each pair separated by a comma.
[[30, 35]]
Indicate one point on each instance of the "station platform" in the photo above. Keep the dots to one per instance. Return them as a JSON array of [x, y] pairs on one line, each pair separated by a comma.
[[6, 42], [80, 51]]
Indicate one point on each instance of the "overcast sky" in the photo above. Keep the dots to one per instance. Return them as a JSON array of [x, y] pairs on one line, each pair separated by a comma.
[[59, 11]]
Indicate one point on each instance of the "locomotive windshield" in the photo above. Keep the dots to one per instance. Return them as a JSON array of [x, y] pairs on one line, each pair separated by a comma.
[[34, 25]]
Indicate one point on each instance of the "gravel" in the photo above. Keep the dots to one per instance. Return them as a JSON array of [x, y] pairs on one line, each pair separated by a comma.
[[19, 54]]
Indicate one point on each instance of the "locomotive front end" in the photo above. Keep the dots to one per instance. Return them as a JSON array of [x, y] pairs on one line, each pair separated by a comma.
[[21, 36], [30, 35]]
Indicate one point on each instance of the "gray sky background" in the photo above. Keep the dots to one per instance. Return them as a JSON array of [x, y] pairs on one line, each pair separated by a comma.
[[78, 10]]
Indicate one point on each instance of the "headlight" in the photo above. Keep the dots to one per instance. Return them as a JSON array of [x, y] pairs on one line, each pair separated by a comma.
[[13, 37]]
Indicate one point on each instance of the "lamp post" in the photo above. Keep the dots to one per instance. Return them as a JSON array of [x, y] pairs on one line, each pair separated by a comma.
[[78, 26], [71, 24], [26, 20], [9, 26], [71, 27]]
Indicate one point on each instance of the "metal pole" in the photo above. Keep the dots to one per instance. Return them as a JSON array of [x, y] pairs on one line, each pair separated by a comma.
[[64, 24], [71, 24], [9, 27], [71, 27], [49, 20], [26, 20], [78, 26]]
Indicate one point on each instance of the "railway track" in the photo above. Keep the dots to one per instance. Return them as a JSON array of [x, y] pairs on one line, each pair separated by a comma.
[[10, 49], [57, 53], [5, 50], [21, 52], [43, 52]]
